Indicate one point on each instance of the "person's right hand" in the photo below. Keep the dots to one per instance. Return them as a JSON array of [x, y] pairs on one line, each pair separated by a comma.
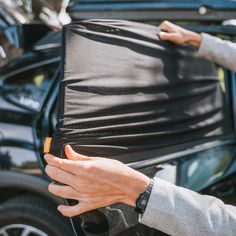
[[178, 35], [94, 181]]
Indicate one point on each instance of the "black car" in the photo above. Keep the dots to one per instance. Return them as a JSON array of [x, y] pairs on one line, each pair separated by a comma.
[[28, 103]]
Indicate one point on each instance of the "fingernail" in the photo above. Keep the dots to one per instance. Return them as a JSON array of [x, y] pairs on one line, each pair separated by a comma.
[[46, 156], [59, 208]]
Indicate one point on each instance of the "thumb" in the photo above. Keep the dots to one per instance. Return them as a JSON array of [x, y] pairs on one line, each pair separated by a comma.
[[71, 211], [74, 156]]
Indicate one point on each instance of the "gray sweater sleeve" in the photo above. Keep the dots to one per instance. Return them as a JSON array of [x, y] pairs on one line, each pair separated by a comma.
[[181, 212], [222, 52]]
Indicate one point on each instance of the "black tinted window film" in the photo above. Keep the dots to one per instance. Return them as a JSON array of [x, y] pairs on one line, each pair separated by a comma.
[[123, 90]]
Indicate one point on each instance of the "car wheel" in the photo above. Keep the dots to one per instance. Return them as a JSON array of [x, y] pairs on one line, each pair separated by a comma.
[[28, 215]]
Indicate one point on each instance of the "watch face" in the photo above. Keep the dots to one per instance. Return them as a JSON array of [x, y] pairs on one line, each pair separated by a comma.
[[143, 202], [143, 198]]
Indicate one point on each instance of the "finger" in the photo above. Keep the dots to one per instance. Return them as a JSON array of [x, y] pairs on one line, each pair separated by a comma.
[[63, 191], [76, 168], [167, 36], [71, 211], [60, 175], [166, 26], [72, 155], [63, 164]]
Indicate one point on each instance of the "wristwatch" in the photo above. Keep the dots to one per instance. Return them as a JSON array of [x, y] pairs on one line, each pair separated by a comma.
[[143, 198]]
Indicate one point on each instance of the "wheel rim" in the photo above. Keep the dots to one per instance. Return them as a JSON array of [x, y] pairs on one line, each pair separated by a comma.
[[21, 230]]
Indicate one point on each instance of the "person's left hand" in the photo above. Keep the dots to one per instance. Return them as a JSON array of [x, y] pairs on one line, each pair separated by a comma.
[[94, 182], [178, 35]]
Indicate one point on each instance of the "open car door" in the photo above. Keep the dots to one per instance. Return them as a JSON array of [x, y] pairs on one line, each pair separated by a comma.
[[126, 95]]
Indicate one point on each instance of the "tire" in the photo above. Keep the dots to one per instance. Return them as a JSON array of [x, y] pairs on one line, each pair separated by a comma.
[[35, 214]]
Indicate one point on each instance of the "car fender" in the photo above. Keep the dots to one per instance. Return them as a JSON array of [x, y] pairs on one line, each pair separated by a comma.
[[27, 182]]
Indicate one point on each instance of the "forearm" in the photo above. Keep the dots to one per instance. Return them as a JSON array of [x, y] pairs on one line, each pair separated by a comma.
[[192, 38], [220, 51], [181, 212]]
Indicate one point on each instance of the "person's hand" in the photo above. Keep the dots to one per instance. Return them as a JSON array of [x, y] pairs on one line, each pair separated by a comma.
[[95, 182], [178, 35]]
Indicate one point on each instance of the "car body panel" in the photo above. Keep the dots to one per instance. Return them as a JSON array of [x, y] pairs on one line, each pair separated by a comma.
[[201, 10]]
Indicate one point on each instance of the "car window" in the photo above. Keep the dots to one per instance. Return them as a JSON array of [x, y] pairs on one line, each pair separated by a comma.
[[30, 87], [205, 168]]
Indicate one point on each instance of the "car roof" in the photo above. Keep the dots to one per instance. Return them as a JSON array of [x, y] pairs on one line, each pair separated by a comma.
[[153, 9]]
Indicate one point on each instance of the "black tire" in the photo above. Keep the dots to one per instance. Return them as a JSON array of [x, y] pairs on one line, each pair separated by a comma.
[[36, 212]]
